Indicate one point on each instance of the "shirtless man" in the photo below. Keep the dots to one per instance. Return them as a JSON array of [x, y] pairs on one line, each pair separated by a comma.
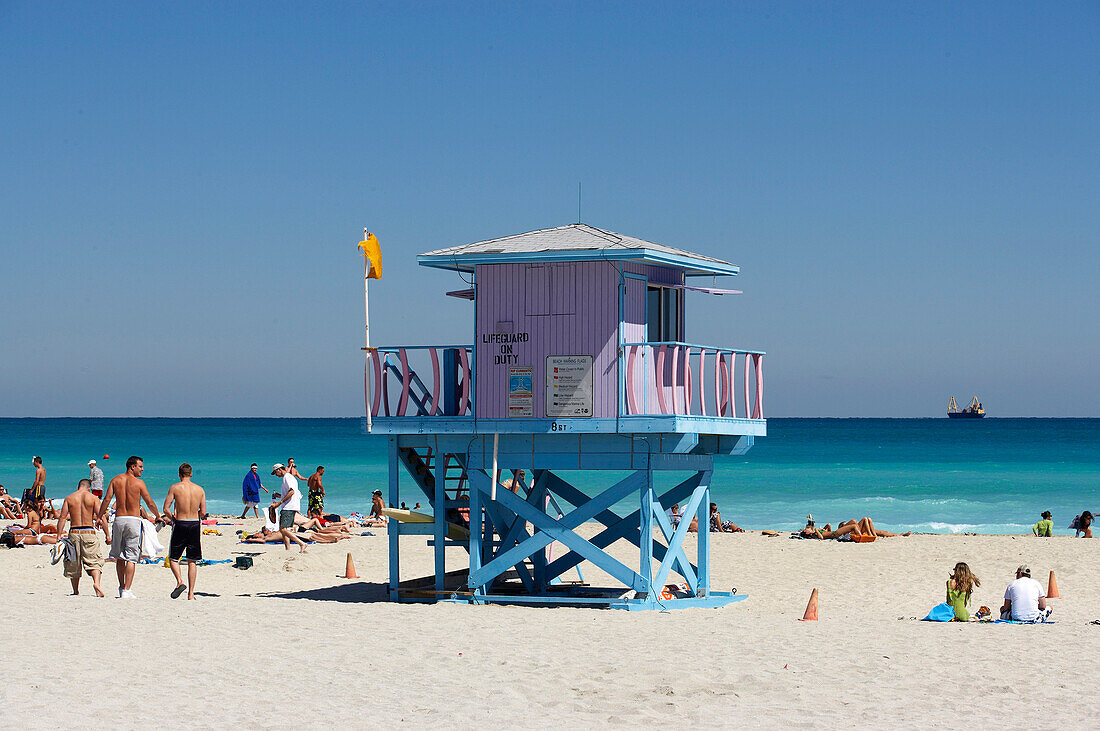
[[292, 470], [80, 509], [316, 493], [37, 492], [190, 509], [377, 505], [128, 490]]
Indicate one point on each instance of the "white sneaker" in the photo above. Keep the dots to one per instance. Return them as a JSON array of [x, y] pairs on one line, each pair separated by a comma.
[[127, 594]]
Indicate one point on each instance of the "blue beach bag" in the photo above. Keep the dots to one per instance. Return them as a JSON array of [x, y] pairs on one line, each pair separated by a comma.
[[941, 613]]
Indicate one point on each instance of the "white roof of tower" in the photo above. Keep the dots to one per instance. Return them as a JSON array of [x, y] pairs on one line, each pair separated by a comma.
[[575, 242]]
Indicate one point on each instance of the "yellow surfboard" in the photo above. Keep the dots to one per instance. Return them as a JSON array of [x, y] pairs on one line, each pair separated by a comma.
[[455, 531]]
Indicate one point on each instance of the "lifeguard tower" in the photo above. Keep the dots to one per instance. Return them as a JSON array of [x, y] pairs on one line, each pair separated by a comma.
[[578, 363]]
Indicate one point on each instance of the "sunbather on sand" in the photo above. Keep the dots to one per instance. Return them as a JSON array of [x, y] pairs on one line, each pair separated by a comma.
[[29, 539], [9, 506], [302, 523], [717, 525], [35, 525], [266, 536], [862, 527], [377, 506]]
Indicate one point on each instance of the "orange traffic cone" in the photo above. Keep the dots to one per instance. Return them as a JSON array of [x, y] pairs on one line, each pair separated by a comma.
[[1052, 588], [811, 609], [349, 569]]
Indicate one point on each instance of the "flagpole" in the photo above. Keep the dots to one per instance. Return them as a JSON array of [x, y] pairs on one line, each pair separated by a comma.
[[366, 330]]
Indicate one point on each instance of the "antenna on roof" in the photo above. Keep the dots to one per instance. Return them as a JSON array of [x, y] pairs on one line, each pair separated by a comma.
[[578, 201]]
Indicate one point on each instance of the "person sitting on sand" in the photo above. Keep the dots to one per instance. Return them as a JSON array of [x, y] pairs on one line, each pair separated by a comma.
[[377, 505], [718, 526], [1045, 527], [34, 526], [8, 505], [960, 584], [1025, 600], [674, 515], [1083, 525]]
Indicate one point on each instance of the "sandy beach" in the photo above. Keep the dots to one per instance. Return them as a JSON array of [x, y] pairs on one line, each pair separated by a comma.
[[291, 639]]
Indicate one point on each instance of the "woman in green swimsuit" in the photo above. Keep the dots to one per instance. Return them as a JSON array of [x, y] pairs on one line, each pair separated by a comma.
[[959, 587]]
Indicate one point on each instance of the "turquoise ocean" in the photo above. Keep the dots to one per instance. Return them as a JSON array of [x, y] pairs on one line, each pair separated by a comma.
[[928, 475]]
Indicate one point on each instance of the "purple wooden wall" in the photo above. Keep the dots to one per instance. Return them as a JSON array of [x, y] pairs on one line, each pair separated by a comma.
[[567, 309]]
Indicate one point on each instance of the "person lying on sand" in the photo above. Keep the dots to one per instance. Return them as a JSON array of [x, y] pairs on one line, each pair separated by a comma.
[[267, 536], [303, 523], [862, 527], [22, 538]]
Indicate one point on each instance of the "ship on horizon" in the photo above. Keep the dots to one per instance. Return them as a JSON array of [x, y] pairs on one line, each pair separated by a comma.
[[973, 411]]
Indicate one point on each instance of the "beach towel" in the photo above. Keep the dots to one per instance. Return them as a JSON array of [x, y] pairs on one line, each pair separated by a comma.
[[63, 549], [1040, 620], [150, 545], [941, 613]]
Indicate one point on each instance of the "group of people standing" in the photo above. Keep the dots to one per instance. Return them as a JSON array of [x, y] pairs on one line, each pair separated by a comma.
[[315, 496], [88, 510]]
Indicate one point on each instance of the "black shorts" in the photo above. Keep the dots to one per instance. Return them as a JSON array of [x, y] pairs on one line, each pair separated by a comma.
[[185, 536]]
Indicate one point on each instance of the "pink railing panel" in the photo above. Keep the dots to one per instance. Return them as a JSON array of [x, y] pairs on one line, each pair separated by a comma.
[[687, 381], [433, 405], [702, 396], [406, 381], [383, 363], [464, 399], [681, 384], [631, 397], [758, 407], [659, 381]]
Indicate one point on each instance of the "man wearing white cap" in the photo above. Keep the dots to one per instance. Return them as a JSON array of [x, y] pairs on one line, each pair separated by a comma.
[[288, 505], [96, 476]]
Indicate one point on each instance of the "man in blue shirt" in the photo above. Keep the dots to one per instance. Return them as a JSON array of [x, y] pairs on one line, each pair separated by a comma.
[[251, 489]]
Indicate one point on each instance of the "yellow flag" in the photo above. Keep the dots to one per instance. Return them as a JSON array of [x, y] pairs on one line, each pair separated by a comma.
[[371, 249]]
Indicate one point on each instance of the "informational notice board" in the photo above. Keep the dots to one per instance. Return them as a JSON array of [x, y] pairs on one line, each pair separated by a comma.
[[521, 394], [568, 386]]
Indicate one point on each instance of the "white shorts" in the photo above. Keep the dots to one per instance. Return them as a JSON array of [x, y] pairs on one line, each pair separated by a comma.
[[126, 538]]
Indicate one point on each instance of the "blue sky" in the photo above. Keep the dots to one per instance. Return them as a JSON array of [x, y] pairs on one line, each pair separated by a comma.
[[911, 190]]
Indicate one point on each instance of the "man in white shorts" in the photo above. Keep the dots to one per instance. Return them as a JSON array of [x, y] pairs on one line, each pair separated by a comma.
[[128, 490]]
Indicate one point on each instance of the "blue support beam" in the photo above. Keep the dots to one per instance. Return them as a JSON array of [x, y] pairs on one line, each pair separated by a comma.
[[477, 526], [439, 501], [393, 529], [645, 524], [704, 537], [549, 530], [617, 527]]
